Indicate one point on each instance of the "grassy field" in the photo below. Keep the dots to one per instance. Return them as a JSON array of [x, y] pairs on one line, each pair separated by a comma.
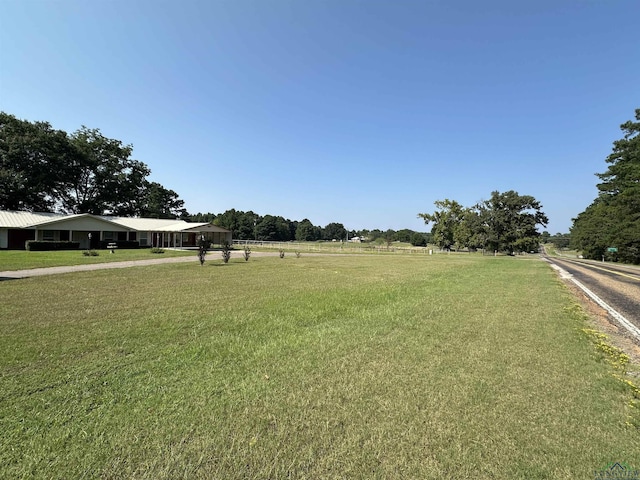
[[21, 259], [403, 366]]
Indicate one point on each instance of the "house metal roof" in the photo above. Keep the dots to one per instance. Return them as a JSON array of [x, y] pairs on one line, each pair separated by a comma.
[[14, 219]]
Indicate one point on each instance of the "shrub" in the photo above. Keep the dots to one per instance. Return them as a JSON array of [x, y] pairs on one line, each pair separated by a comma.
[[41, 245], [90, 253], [203, 245], [226, 252], [157, 250]]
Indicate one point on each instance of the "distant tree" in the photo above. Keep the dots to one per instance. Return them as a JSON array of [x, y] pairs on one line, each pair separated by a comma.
[[273, 228], [228, 219], [418, 239], [375, 234], [307, 232], [334, 231], [245, 227], [403, 235], [389, 237], [560, 240], [545, 236], [202, 217]]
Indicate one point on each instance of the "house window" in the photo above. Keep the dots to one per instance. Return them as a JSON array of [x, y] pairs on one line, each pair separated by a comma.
[[107, 236], [144, 239], [122, 236], [133, 236], [48, 235]]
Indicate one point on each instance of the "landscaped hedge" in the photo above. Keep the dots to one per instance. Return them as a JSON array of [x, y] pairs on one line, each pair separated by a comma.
[[120, 244], [41, 245]]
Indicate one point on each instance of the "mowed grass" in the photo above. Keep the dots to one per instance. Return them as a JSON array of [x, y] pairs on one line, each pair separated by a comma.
[[312, 367], [21, 259]]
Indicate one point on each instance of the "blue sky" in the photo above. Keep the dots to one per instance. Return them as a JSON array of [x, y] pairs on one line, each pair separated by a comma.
[[362, 112]]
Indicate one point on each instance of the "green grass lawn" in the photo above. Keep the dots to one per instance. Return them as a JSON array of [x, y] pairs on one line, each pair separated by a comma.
[[22, 259], [403, 366]]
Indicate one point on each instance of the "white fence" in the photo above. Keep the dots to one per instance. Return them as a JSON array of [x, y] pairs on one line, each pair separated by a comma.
[[332, 247]]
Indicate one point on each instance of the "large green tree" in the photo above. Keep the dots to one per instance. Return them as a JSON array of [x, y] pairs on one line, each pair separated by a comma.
[[35, 162], [507, 222], [511, 221], [43, 169], [105, 180], [613, 219], [446, 219]]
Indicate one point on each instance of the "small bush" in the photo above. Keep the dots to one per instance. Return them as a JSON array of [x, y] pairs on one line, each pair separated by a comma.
[[157, 250], [90, 253], [226, 252], [204, 244]]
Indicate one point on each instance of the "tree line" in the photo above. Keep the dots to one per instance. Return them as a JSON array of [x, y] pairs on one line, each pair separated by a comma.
[[251, 226], [47, 170], [507, 222], [610, 226]]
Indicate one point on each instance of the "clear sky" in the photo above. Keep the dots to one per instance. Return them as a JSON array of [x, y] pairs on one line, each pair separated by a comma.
[[362, 112]]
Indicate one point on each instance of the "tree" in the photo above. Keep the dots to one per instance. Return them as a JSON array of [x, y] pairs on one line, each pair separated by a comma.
[[34, 164], [445, 221], [275, 229], [246, 226], [613, 219], [242, 224], [403, 235], [560, 240], [418, 239], [334, 231], [511, 221], [104, 180], [42, 169], [307, 232], [202, 217], [159, 202], [506, 222]]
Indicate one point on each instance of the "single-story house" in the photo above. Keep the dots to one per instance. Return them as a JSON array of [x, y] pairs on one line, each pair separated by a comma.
[[90, 230]]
